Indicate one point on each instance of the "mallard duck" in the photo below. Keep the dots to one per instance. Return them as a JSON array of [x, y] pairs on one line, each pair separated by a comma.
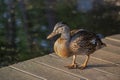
[[75, 42]]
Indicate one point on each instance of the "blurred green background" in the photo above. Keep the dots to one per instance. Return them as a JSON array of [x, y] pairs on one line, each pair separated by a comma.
[[25, 24]]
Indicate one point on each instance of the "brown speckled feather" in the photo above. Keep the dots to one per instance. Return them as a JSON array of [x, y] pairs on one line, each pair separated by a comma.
[[83, 41]]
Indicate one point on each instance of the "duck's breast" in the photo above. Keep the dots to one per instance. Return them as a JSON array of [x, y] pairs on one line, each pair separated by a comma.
[[61, 48]]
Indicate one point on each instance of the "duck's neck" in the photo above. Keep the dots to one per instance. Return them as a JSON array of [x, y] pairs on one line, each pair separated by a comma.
[[66, 35]]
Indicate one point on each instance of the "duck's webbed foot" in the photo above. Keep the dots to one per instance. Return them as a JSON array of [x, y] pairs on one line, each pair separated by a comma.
[[82, 67], [72, 66]]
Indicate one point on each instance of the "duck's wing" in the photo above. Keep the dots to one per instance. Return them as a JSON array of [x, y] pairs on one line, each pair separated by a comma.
[[75, 31], [83, 39]]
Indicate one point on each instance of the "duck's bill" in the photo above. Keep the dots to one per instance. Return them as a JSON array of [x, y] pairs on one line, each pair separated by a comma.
[[51, 35]]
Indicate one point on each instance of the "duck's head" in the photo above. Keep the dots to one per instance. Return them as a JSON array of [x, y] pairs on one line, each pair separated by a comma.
[[60, 28]]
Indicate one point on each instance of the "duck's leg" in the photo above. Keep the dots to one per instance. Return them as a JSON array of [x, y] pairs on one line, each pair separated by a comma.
[[85, 63], [74, 64]]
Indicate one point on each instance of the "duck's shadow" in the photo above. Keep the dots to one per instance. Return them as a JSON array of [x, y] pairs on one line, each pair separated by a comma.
[[100, 66]]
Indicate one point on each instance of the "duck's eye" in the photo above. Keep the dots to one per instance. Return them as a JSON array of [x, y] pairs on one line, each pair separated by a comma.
[[62, 29]]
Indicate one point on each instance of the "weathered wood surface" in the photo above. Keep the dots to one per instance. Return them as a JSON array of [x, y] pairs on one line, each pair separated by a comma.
[[104, 64]]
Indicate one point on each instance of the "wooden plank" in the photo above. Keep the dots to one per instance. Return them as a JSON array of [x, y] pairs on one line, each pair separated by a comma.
[[98, 64], [112, 39], [116, 36], [112, 49], [11, 74], [104, 66], [111, 42], [108, 56], [91, 74], [45, 71]]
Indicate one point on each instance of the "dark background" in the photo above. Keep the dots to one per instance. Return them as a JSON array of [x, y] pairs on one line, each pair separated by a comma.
[[25, 24]]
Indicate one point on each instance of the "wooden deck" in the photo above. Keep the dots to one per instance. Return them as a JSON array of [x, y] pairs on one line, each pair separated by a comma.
[[104, 64]]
